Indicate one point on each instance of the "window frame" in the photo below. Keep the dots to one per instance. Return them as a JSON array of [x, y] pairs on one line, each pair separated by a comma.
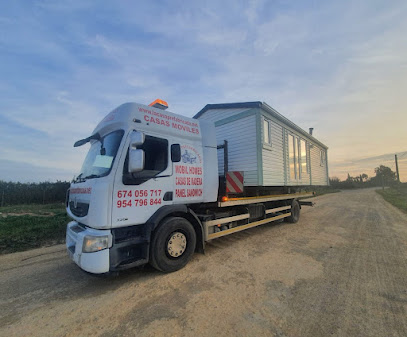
[[293, 160], [131, 179], [306, 171], [268, 121], [322, 157]]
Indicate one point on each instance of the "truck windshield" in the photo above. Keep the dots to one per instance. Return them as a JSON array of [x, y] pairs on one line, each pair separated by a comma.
[[99, 160]]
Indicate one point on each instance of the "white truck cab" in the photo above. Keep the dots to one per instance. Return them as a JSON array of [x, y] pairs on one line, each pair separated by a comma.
[[143, 165]]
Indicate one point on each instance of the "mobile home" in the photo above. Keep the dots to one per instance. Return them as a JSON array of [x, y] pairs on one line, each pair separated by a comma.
[[268, 148]]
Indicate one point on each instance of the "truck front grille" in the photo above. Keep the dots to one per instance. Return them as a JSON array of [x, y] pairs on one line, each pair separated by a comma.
[[80, 210]]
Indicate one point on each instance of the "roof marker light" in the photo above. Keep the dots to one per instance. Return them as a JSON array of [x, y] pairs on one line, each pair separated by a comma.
[[159, 104]]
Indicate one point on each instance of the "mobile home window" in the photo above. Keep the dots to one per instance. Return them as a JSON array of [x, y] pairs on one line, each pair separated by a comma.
[[266, 132], [322, 157], [292, 157], [304, 162]]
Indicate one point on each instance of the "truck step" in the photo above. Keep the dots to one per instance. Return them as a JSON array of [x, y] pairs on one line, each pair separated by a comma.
[[243, 227], [226, 202]]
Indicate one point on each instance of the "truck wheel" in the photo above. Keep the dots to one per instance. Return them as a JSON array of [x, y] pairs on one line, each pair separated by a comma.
[[295, 212], [172, 244]]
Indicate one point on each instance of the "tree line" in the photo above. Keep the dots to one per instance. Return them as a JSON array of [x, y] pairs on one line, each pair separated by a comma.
[[384, 176], [12, 193]]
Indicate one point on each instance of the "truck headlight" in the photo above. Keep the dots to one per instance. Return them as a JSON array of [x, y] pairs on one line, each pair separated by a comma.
[[94, 243]]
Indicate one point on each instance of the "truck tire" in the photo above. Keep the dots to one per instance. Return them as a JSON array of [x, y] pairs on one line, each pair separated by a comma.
[[295, 212], [172, 244]]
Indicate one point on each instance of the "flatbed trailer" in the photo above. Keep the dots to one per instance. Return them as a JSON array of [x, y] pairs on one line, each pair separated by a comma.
[[216, 228]]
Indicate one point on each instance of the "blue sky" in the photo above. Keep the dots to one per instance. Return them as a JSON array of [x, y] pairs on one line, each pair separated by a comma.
[[340, 67]]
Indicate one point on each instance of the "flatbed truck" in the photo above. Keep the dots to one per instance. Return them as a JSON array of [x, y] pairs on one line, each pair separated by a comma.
[[150, 191]]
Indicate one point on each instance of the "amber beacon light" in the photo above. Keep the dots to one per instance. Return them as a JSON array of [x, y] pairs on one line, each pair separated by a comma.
[[159, 104]]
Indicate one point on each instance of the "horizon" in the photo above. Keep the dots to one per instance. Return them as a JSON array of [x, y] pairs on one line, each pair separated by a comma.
[[339, 67]]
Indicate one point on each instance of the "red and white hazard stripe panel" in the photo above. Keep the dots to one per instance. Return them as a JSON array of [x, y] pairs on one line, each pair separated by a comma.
[[234, 182]]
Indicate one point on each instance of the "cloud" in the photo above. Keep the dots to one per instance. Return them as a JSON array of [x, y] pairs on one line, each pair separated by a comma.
[[253, 9], [338, 67], [367, 165]]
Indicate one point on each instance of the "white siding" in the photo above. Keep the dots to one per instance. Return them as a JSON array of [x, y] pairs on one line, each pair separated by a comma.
[[286, 158], [241, 137], [218, 114], [273, 158], [318, 173]]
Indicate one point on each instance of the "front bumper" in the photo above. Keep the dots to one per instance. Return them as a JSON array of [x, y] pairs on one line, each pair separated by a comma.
[[96, 262]]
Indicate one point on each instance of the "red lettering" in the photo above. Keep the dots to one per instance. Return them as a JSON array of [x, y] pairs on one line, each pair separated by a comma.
[[156, 120], [195, 170], [181, 169], [79, 190], [196, 181], [180, 181], [194, 192], [180, 193]]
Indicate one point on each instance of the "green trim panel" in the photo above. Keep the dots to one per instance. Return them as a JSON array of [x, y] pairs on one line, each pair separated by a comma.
[[259, 145]]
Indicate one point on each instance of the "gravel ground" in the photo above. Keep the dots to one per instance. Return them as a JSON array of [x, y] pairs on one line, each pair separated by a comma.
[[340, 271]]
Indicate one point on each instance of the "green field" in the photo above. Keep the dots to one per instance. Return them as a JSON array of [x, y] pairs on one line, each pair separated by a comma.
[[396, 195], [25, 227]]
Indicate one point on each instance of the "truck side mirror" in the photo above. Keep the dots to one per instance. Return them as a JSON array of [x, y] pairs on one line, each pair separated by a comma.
[[175, 153], [136, 156], [137, 139], [136, 160]]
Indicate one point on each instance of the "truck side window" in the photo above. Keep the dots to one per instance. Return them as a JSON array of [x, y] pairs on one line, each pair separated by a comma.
[[156, 161], [175, 153]]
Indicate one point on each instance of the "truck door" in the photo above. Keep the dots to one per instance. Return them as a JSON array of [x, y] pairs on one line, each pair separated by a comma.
[[137, 196], [189, 174]]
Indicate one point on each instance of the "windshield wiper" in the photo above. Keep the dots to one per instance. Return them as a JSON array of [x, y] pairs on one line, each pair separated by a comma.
[[79, 179]]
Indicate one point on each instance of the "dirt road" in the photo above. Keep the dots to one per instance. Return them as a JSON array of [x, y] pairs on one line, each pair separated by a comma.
[[340, 271]]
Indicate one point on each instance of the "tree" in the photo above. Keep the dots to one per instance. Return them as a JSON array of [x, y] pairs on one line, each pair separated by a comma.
[[335, 182], [363, 177], [384, 174]]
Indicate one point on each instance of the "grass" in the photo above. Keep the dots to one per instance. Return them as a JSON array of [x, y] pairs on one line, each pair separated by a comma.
[[34, 208], [396, 195], [43, 225]]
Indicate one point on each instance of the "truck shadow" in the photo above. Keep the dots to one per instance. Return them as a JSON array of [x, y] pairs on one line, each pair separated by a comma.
[[68, 282]]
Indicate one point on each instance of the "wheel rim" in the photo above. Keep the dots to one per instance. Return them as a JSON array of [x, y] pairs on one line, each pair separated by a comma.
[[177, 244]]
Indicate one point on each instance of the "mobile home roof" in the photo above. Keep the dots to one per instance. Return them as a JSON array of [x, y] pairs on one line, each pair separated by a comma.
[[264, 106]]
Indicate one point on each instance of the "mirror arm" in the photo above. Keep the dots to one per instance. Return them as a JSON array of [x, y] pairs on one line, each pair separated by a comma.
[[86, 140]]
